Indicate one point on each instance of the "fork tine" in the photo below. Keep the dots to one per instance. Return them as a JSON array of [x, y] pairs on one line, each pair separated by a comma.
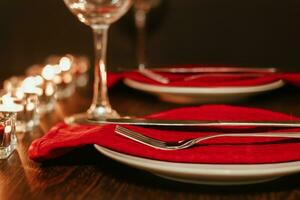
[[139, 137]]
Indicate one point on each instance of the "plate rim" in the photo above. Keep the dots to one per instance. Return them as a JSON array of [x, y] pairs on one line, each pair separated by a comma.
[[228, 170], [203, 90]]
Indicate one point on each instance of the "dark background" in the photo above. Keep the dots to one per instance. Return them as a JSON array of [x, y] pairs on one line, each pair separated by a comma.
[[247, 32]]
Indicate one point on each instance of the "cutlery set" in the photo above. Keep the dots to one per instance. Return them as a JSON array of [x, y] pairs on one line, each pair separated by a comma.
[[197, 72], [176, 145]]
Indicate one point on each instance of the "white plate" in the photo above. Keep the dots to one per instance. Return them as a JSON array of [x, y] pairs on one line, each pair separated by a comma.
[[202, 94], [212, 174]]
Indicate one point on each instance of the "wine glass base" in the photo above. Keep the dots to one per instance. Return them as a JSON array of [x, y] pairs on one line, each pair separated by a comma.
[[81, 118]]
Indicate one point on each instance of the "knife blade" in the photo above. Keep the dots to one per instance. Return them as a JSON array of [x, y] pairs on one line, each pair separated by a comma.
[[214, 70], [160, 122]]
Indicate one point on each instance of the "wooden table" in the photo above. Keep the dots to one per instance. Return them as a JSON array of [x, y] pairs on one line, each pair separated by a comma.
[[222, 33], [86, 174]]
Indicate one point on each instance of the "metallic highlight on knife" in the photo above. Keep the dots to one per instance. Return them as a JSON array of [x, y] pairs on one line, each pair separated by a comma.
[[190, 123], [154, 76], [214, 70]]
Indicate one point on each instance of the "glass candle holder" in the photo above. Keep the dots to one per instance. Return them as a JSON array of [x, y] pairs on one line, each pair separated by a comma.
[[8, 140], [27, 117], [43, 80], [64, 80]]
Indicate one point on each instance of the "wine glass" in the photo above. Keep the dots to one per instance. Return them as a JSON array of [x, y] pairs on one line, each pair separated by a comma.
[[141, 8], [98, 14]]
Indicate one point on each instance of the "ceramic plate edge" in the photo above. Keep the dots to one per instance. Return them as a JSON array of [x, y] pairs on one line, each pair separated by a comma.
[[274, 169], [206, 90]]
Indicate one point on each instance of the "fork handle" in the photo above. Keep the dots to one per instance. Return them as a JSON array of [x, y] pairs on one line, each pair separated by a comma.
[[262, 134], [192, 142]]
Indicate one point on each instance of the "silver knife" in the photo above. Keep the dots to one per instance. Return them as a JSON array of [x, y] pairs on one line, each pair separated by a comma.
[[191, 123], [214, 69]]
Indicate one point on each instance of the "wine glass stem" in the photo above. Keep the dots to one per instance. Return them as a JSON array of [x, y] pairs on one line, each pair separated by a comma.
[[100, 104], [140, 21]]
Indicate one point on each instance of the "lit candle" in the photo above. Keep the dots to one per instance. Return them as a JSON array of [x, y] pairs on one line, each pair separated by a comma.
[[65, 64], [30, 86], [49, 72], [8, 138], [22, 98], [8, 104], [44, 78], [60, 72]]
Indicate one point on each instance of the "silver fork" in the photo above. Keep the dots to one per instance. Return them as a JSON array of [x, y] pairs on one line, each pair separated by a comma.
[[183, 144]]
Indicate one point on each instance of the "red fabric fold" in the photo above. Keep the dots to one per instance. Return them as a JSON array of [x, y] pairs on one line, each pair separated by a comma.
[[62, 138], [113, 78]]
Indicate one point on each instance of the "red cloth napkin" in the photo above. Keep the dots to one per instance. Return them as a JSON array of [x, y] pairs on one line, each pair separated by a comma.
[[113, 78], [63, 138]]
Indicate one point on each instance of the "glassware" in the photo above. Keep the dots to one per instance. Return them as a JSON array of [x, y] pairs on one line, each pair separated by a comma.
[[47, 98], [8, 140], [37, 83], [28, 118], [64, 79], [98, 14], [19, 91], [141, 8], [76, 66]]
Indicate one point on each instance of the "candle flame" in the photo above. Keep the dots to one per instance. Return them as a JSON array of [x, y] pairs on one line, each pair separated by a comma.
[[30, 106], [19, 93], [67, 78], [8, 104], [29, 85], [49, 90], [57, 80], [49, 72], [7, 100], [38, 80], [65, 64], [7, 129]]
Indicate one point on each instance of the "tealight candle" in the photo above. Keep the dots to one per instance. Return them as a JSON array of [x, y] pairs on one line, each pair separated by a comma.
[[64, 79], [8, 105], [8, 138], [47, 96], [43, 78], [61, 78], [30, 86], [78, 67], [22, 94], [57, 70]]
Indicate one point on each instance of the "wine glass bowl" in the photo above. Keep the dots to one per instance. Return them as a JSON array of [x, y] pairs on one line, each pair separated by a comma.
[[98, 14]]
